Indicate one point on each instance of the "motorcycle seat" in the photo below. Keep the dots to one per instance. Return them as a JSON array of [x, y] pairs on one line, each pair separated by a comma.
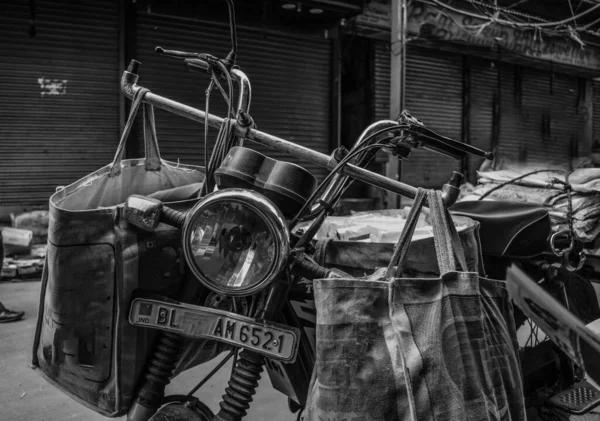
[[508, 229]]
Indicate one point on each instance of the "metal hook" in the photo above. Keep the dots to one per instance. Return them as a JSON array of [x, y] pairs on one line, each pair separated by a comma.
[[563, 252], [567, 262]]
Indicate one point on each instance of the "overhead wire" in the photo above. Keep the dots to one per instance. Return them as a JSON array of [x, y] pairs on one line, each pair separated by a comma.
[[517, 24], [518, 19]]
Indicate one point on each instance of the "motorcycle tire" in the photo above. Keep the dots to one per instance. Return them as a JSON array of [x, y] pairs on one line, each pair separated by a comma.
[[182, 407]]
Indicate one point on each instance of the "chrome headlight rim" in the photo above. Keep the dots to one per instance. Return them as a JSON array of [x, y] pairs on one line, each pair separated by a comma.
[[266, 210]]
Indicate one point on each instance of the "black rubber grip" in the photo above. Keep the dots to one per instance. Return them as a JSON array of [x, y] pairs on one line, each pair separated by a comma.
[[172, 217], [310, 270]]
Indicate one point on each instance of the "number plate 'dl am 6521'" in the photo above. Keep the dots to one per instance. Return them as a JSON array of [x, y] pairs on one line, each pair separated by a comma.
[[270, 339]]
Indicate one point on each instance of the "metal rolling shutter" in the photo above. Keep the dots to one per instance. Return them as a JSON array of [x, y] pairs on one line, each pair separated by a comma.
[[381, 77], [567, 124], [290, 79], [596, 113], [510, 118], [483, 76], [50, 140], [434, 96], [547, 100]]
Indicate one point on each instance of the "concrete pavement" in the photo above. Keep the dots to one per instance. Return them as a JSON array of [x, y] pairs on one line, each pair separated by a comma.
[[25, 396]]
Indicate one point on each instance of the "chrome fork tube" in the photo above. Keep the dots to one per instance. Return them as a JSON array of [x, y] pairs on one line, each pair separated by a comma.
[[245, 91]]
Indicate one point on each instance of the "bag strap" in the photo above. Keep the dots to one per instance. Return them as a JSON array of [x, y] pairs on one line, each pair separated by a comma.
[[406, 236], [446, 239], [321, 251], [153, 161]]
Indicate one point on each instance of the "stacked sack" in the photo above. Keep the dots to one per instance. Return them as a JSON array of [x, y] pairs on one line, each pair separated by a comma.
[[547, 188]]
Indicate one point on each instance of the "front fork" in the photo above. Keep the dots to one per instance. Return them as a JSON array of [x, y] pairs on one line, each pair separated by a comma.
[[241, 387], [249, 365], [244, 379]]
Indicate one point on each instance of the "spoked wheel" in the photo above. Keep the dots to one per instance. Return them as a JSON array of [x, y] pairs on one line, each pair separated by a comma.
[[182, 407]]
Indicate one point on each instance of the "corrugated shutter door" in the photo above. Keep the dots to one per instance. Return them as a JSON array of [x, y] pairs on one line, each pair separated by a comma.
[[510, 115], [567, 124], [483, 76], [381, 76], [59, 114], [290, 77], [596, 112], [543, 126], [434, 96]]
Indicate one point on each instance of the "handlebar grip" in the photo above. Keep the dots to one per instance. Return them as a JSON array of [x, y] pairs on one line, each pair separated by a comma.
[[197, 65], [450, 147], [309, 270], [445, 150], [172, 217]]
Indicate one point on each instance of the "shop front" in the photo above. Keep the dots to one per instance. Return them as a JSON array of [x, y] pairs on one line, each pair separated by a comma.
[[530, 100], [61, 63]]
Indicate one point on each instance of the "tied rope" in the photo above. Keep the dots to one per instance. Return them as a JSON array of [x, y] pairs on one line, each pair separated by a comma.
[[567, 187], [223, 143]]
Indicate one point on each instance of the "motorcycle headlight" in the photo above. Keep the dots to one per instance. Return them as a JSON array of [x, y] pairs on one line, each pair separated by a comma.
[[235, 241]]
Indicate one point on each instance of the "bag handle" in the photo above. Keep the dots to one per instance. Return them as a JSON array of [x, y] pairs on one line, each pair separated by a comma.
[[446, 239], [153, 161], [445, 236], [406, 235]]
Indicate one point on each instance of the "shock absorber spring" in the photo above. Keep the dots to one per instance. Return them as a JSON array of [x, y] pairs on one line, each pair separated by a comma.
[[242, 386], [159, 370]]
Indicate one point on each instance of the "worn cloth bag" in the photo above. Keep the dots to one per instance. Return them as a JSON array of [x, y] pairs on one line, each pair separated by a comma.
[[84, 344], [417, 347]]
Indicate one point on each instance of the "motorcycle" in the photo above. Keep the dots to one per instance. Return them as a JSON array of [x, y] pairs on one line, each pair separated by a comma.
[[522, 234], [241, 242]]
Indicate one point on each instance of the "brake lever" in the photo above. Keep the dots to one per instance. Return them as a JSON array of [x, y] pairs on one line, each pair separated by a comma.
[[178, 54], [428, 139], [195, 62]]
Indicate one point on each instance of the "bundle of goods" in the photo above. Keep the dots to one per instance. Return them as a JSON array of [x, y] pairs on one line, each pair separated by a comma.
[[570, 196], [36, 222], [23, 259], [360, 243]]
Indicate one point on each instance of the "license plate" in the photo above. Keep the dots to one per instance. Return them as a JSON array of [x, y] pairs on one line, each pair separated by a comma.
[[270, 339]]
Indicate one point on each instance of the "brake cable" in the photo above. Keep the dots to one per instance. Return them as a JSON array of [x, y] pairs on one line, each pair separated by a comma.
[[329, 177], [312, 214], [212, 372], [206, 107], [225, 136]]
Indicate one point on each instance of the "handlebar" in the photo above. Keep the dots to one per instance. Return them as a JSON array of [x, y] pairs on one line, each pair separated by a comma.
[[129, 88], [428, 138]]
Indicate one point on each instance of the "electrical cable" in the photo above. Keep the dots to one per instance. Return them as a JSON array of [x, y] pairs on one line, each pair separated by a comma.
[[212, 373], [206, 107], [543, 24], [516, 24], [506, 183]]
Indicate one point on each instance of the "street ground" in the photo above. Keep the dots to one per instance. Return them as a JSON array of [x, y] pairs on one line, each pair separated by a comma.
[[26, 396]]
